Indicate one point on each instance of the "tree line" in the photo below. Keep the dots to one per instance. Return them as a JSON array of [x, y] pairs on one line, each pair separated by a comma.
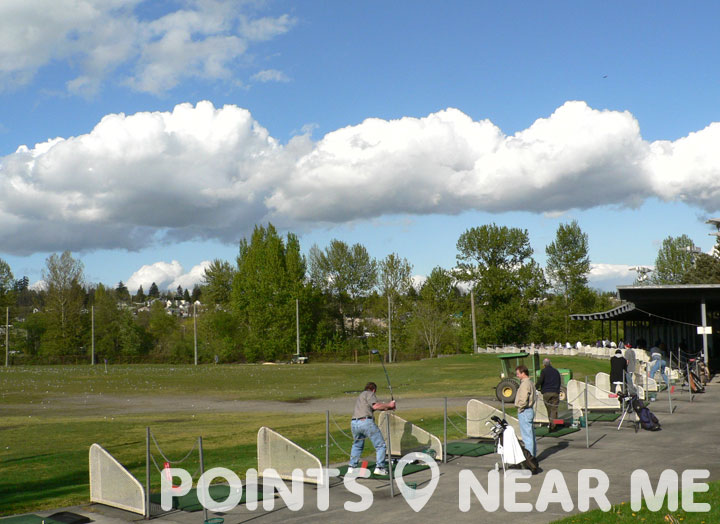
[[347, 303]]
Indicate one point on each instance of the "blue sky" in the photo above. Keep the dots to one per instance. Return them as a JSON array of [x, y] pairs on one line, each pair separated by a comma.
[[149, 137]]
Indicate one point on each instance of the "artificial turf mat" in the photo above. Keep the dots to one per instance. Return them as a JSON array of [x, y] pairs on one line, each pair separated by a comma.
[[408, 470], [544, 431], [470, 449], [190, 502], [606, 417], [28, 519]]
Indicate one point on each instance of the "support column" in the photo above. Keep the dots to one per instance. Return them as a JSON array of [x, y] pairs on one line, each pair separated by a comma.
[[703, 317]]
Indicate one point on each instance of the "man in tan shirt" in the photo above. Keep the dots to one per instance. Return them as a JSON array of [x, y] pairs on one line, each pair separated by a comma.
[[525, 400], [363, 426]]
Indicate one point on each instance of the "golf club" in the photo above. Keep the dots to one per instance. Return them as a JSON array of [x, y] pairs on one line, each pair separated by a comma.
[[376, 352]]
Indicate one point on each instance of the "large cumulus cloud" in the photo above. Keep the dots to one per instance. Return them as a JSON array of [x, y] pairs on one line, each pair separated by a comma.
[[201, 172]]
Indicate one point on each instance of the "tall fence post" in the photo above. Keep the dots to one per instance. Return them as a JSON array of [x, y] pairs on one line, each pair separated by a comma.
[[389, 456], [445, 434], [147, 473], [327, 439], [202, 472]]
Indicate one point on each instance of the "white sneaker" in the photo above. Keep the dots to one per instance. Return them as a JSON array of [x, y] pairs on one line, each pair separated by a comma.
[[350, 470], [380, 471]]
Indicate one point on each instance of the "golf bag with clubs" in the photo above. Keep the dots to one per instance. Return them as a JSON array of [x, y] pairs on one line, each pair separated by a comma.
[[648, 420], [510, 449]]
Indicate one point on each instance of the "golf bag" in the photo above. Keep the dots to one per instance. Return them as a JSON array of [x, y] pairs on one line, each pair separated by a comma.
[[696, 386], [510, 449], [648, 420]]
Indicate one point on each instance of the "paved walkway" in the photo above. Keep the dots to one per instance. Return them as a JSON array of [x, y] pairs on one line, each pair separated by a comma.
[[689, 440]]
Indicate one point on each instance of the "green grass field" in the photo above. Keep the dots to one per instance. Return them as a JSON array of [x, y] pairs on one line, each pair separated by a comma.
[[52, 414]]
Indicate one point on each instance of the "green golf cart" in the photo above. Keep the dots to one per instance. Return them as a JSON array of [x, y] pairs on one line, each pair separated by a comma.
[[509, 384]]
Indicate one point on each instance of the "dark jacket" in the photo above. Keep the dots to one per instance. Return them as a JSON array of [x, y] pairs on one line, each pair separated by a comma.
[[549, 381], [618, 365]]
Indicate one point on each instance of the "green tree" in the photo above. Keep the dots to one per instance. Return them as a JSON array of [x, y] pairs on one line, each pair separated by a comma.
[[269, 278], [63, 276], [347, 273], [674, 260], [107, 344], [568, 263], [122, 293], [196, 293], [154, 292], [432, 312], [497, 260], [218, 281], [140, 295], [568, 266], [394, 277], [705, 270], [7, 283]]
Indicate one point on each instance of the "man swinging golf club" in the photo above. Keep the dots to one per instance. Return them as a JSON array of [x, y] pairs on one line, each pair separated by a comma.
[[363, 426]]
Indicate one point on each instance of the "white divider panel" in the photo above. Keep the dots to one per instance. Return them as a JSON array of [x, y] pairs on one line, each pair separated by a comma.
[[113, 485], [283, 455], [406, 437], [478, 413], [597, 398]]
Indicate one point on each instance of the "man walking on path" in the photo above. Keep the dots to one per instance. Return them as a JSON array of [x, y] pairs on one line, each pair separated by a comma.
[[363, 426], [525, 400], [549, 385]]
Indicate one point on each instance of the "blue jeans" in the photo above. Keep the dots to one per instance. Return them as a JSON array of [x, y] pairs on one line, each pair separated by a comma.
[[362, 429], [527, 430], [659, 363]]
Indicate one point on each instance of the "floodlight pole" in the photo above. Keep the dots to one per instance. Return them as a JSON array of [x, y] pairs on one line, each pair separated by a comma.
[[587, 416], [472, 314], [195, 335], [297, 326], [389, 330], [92, 334], [7, 336]]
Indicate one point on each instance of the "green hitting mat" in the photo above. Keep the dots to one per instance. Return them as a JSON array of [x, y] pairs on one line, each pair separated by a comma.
[[407, 470], [190, 502], [470, 449], [544, 431], [28, 519], [605, 417]]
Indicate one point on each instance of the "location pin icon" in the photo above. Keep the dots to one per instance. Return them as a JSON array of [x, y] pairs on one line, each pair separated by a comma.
[[417, 498]]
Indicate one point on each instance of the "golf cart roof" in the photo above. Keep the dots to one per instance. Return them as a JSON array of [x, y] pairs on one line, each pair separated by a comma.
[[514, 355]]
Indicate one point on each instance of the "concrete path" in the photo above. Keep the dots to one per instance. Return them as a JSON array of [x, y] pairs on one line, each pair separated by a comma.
[[689, 440]]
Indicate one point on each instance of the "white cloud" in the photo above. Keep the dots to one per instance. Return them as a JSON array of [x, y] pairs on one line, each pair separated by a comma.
[[204, 173], [608, 276], [270, 75], [203, 40], [166, 275]]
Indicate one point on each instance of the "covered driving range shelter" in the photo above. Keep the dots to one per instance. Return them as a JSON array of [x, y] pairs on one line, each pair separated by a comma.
[[674, 314]]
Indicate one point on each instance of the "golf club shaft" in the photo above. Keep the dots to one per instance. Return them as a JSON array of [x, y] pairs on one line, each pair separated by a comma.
[[392, 397]]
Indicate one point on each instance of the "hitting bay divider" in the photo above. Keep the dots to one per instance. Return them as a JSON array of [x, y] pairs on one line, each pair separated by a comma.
[[283, 455], [112, 484], [406, 437], [479, 413]]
